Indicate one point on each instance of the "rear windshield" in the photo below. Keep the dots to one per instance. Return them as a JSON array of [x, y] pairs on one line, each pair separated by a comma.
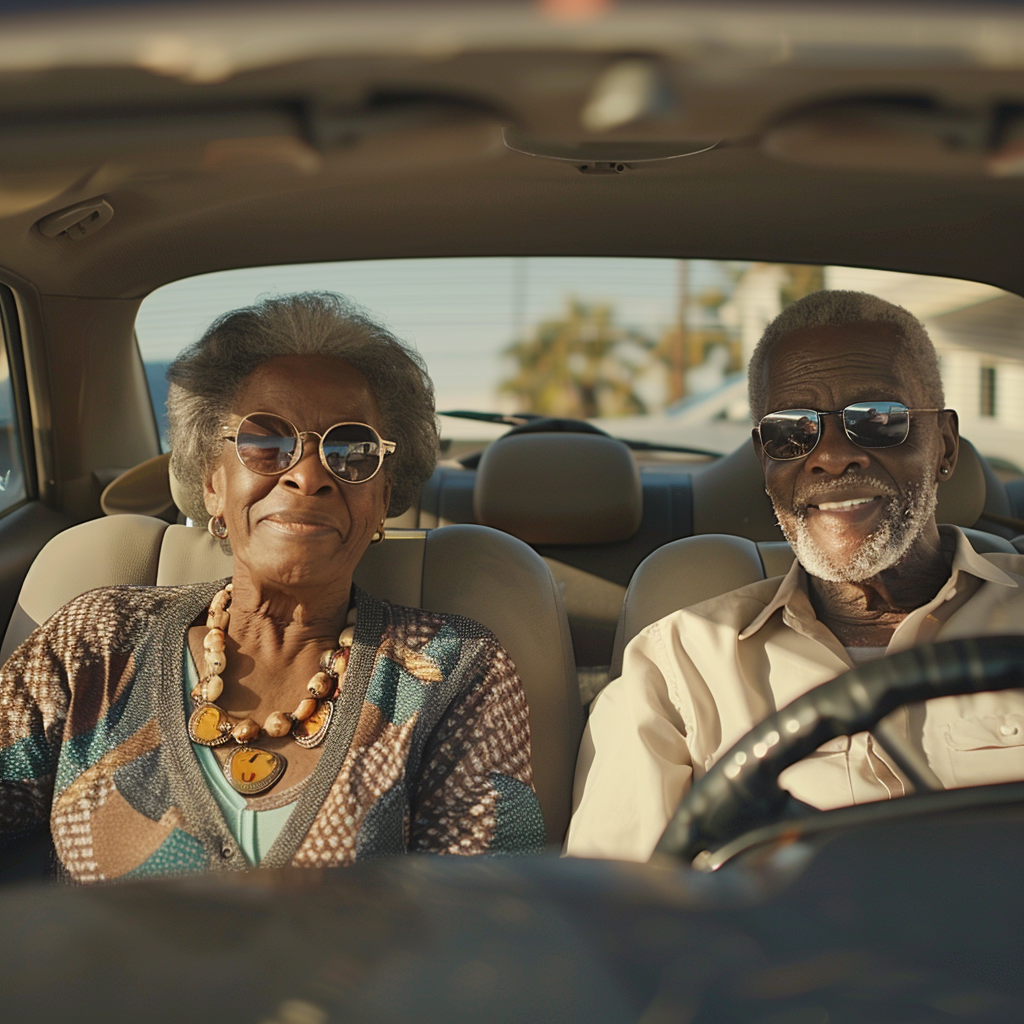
[[649, 349]]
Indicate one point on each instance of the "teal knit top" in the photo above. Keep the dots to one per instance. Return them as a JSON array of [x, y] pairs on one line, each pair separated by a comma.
[[254, 830]]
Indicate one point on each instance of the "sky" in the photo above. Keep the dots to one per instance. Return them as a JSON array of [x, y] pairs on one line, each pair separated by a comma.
[[458, 312]]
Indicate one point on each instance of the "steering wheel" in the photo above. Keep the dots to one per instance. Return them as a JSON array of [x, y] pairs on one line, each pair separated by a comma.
[[741, 792]]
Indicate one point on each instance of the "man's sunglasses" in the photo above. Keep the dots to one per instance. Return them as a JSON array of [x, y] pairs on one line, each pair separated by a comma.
[[271, 445], [793, 433]]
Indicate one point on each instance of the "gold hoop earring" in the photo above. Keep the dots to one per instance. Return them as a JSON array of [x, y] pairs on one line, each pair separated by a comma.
[[217, 528], [379, 534]]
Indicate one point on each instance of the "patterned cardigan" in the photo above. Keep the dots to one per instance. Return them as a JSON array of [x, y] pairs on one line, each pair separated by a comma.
[[428, 749]]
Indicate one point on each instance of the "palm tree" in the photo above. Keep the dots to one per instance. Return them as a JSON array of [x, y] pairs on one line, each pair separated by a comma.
[[802, 280], [580, 365], [684, 347]]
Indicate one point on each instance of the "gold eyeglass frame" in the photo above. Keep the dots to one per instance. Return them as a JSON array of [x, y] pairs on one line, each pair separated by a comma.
[[386, 448]]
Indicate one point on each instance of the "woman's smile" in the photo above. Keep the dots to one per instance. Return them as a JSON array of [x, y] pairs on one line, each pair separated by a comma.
[[300, 524]]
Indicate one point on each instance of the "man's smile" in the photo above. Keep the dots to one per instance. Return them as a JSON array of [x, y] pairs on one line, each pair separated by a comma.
[[831, 506], [842, 496], [857, 514]]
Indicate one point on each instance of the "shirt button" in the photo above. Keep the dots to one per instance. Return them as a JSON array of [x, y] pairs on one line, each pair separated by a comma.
[[226, 852], [1007, 730]]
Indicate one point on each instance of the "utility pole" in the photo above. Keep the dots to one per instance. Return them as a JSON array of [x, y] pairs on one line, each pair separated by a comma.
[[519, 272], [679, 350]]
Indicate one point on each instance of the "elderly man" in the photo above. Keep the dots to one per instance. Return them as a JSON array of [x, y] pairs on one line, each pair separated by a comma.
[[853, 438]]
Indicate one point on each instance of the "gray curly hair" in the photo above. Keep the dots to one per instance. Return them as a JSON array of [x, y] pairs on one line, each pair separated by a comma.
[[205, 378], [836, 308]]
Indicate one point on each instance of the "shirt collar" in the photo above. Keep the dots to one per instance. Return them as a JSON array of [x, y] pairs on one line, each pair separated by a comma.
[[793, 582], [792, 594], [966, 559]]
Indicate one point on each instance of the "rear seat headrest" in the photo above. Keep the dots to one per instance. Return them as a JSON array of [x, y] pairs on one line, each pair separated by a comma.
[[143, 490], [559, 489], [148, 489], [962, 496]]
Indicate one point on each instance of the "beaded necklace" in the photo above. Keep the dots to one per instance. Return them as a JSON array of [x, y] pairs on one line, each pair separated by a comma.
[[249, 769]]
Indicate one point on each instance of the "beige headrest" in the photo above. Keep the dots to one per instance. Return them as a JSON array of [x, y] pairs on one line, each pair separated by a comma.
[[148, 489], [177, 493], [143, 490], [559, 488], [962, 496]]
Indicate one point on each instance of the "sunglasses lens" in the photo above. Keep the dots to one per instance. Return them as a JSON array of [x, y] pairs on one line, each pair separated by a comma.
[[266, 444], [789, 434], [352, 452], [877, 424]]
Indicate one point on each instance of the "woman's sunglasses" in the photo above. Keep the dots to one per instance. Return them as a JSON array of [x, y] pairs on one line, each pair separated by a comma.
[[793, 433], [271, 445]]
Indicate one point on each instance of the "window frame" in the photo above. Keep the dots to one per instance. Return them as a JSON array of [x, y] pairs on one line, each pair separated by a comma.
[[149, 392], [988, 397], [10, 325]]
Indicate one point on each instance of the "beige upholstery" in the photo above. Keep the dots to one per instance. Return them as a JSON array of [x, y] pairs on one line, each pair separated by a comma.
[[559, 489], [695, 569], [776, 558], [143, 490], [962, 497], [729, 496], [465, 570]]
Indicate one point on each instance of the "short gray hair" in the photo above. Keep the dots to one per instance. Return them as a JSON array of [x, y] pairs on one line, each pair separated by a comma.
[[838, 309], [207, 376]]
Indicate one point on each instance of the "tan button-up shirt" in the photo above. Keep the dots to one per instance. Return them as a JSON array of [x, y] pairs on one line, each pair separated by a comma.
[[696, 681]]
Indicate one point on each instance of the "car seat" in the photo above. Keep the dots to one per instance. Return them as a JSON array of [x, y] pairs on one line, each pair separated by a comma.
[[695, 569], [582, 503], [466, 570]]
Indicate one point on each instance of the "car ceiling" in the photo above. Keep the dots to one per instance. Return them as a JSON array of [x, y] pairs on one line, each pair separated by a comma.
[[880, 137]]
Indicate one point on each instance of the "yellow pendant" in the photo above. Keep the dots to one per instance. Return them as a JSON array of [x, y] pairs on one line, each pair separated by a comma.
[[312, 731], [209, 726], [251, 770]]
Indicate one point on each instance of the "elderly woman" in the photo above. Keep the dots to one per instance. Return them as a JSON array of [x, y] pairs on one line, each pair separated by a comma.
[[283, 716]]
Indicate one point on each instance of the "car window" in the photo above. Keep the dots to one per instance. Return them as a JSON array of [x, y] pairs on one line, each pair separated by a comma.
[[13, 487], [649, 349]]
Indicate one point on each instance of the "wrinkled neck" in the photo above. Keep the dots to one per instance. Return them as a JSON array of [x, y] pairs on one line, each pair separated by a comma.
[[286, 621], [867, 612]]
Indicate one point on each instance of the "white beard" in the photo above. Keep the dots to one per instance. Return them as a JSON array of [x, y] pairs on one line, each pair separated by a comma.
[[903, 521]]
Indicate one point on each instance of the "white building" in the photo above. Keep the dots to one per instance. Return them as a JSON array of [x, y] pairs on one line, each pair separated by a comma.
[[978, 331], [754, 303]]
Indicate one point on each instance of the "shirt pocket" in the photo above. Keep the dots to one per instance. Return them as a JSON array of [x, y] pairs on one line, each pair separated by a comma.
[[986, 749]]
